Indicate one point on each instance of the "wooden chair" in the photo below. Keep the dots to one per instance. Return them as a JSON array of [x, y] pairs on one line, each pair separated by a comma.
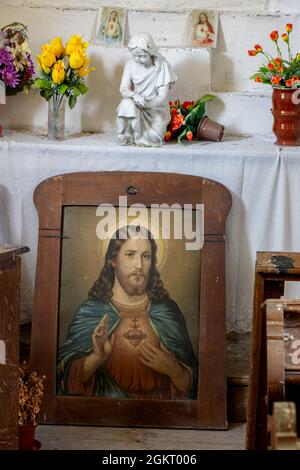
[[275, 367]]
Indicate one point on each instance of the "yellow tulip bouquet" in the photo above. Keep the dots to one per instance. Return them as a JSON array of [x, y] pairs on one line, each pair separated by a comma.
[[63, 70]]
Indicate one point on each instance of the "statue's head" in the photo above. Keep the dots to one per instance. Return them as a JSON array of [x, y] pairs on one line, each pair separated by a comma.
[[142, 44]]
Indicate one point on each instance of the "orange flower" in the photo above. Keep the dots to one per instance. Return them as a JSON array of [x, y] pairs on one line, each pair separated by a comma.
[[295, 78], [189, 135], [277, 71], [276, 80], [274, 35], [168, 136], [173, 111], [176, 121], [188, 104]]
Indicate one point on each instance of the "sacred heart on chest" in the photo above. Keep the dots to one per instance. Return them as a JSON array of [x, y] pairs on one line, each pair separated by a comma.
[[135, 336]]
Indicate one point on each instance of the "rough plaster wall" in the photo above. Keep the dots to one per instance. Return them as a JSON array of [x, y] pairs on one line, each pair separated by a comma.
[[239, 5], [244, 105]]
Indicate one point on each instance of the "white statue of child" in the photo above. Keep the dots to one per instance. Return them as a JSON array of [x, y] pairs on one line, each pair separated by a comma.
[[143, 114]]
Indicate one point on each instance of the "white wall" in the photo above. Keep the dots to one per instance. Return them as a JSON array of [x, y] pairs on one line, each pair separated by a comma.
[[243, 106]]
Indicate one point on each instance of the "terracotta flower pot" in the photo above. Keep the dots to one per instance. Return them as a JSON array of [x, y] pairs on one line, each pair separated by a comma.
[[210, 130], [286, 115]]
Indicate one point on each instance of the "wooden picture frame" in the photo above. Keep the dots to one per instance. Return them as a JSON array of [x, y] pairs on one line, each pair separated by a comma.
[[209, 408]]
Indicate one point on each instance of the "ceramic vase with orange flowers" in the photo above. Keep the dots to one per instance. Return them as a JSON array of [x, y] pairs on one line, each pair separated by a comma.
[[283, 74]]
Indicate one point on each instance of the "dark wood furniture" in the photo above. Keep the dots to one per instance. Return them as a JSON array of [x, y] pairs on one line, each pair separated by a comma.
[[91, 189], [238, 358], [277, 367], [9, 343], [283, 427], [271, 271]]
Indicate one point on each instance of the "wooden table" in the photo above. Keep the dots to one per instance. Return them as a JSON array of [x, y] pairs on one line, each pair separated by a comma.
[[10, 264]]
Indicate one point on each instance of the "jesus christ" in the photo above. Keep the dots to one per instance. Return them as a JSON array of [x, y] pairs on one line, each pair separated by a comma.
[[129, 339]]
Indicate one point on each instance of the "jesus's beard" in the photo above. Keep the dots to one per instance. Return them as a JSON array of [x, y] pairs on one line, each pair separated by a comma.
[[134, 284]]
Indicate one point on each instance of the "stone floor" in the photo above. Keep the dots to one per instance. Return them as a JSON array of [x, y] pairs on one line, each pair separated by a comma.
[[108, 438]]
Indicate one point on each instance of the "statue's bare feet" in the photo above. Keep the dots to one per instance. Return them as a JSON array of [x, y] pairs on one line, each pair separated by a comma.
[[125, 139]]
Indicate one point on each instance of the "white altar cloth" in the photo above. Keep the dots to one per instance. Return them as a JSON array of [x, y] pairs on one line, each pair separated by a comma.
[[263, 179]]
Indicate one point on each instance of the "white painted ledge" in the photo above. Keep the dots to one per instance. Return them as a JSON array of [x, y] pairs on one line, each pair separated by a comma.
[[231, 144]]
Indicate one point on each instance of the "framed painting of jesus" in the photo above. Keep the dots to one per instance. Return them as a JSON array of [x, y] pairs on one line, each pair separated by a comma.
[[129, 321]]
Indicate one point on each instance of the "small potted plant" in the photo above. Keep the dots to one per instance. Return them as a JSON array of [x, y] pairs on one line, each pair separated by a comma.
[[31, 392], [283, 74], [188, 120]]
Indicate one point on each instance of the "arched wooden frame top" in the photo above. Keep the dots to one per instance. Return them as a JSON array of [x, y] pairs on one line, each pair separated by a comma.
[[94, 188]]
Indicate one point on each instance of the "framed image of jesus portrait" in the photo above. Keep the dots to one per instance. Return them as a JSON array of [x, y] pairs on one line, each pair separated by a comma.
[[130, 325]]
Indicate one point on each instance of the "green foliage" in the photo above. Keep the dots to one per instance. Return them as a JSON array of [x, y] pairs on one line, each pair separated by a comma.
[[192, 120], [72, 87], [72, 101]]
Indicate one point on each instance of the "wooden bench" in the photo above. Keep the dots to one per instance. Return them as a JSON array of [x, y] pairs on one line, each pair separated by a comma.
[[275, 366], [283, 427], [271, 271]]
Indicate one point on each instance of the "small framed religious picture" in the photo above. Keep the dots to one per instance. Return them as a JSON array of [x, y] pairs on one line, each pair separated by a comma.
[[203, 28], [111, 23], [129, 321]]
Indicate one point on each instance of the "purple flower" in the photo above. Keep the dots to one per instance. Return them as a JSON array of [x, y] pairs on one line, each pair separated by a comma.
[[30, 66], [10, 76], [16, 66], [5, 57]]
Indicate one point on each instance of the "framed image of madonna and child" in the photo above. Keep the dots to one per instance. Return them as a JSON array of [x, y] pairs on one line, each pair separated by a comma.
[[130, 322]]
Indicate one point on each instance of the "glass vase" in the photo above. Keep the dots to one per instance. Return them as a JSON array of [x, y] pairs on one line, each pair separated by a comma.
[[56, 118]]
